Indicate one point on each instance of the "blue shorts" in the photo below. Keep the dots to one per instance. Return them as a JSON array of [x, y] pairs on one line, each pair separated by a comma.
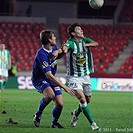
[[41, 85]]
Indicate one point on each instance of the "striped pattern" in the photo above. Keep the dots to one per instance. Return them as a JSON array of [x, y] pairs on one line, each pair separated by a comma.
[[79, 59], [4, 56]]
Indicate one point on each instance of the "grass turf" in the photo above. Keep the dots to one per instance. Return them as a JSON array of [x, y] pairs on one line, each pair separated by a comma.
[[112, 111]]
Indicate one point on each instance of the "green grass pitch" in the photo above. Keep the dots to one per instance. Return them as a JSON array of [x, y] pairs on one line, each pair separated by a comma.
[[112, 111]]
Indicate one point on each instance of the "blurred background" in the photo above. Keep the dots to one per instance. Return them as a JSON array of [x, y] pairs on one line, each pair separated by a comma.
[[111, 26]]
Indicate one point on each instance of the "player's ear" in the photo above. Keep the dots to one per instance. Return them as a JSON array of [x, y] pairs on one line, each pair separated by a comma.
[[73, 33], [50, 40]]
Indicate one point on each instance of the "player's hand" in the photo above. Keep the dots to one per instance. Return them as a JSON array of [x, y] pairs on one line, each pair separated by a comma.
[[70, 91], [64, 48]]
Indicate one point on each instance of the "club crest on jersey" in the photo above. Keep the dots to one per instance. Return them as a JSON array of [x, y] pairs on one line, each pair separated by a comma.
[[45, 64]]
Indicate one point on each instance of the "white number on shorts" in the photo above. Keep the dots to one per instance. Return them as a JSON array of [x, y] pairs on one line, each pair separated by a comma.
[[73, 85]]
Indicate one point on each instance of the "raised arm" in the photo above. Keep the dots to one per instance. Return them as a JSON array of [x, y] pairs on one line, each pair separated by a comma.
[[92, 44]]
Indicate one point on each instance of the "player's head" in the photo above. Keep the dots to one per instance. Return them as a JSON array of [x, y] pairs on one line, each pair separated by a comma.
[[2, 46], [46, 36], [75, 29]]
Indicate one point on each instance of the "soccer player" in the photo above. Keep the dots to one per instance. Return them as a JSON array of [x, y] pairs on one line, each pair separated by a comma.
[[79, 66], [5, 65], [44, 80]]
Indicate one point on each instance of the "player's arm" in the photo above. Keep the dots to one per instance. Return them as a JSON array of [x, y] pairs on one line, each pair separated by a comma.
[[92, 44], [59, 53], [9, 60], [9, 63], [52, 78], [62, 51]]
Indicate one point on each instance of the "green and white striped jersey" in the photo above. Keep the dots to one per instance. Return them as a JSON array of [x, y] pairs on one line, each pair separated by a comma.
[[4, 56], [79, 58]]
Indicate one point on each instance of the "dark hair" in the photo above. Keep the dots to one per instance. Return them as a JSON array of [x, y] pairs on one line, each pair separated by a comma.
[[71, 28], [45, 35]]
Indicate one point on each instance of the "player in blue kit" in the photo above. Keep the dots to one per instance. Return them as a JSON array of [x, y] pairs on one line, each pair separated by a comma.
[[44, 80]]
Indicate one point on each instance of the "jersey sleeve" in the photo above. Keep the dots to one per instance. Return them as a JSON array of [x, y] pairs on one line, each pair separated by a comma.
[[69, 44], [87, 40], [43, 62]]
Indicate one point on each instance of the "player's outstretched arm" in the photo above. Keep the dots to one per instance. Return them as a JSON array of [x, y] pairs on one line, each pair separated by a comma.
[[92, 44], [51, 77]]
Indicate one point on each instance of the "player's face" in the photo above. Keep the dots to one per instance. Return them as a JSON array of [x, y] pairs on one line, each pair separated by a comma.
[[78, 32], [2, 46], [53, 39]]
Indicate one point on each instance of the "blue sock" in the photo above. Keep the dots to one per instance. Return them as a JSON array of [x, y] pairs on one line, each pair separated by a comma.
[[56, 114], [41, 107]]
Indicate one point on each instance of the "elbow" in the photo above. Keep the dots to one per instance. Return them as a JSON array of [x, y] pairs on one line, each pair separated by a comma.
[[96, 44], [48, 75]]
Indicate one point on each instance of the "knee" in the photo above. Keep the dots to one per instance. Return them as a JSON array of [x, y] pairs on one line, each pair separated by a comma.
[[6, 78], [82, 100], [88, 99], [51, 96]]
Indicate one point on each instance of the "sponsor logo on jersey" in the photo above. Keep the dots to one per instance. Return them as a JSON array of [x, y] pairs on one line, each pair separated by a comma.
[[80, 55], [2, 59], [81, 61]]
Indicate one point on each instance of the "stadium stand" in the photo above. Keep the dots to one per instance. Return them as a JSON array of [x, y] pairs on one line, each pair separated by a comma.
[[127, 66], [112, 41], [22, 41], [126, 14], [21, 38]]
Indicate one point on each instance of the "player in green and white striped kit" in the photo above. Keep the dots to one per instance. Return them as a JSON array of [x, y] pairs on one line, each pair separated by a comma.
[[79, 66], [5, 64]]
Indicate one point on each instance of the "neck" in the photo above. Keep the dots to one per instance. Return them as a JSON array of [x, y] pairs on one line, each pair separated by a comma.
[[78, 39], [48, 47]]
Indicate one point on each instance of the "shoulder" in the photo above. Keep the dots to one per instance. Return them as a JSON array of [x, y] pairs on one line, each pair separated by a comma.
[[54, 47], [86, 39], [7, 51], [70, 43], [42, 55], [41, 52]]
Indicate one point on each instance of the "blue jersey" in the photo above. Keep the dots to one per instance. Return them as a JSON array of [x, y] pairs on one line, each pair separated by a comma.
[[42, 64]]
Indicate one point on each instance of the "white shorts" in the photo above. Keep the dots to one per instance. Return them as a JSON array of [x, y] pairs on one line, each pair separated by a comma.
[[4, 72], [80, 83]]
